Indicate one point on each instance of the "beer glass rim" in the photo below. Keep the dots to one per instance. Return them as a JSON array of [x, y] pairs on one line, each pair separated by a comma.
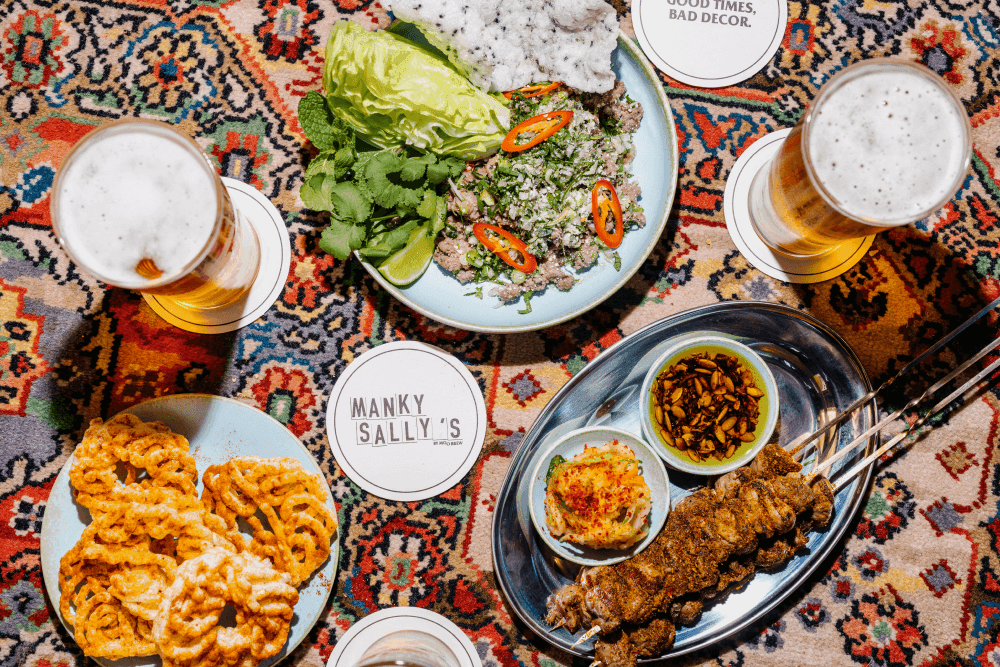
[[859, 69], [182, 139]]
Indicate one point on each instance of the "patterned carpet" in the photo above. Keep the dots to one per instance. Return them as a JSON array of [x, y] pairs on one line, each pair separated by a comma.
[[918, 582]]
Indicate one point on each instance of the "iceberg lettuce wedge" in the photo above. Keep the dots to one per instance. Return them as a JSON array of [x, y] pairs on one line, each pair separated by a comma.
[[394, 92]]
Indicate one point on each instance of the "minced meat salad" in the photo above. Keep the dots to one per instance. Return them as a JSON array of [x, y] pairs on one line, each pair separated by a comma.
[[543, 197]]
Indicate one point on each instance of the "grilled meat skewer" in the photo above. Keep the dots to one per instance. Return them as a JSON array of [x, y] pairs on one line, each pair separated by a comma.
[[702, 533], [622, 648]]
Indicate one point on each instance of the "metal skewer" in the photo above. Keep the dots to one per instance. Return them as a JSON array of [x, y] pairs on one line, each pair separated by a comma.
[[942, 404], [930, 391], [797, 445], [586, 635]]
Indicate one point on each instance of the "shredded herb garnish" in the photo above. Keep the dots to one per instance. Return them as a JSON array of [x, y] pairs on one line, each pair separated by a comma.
[[527, 303]]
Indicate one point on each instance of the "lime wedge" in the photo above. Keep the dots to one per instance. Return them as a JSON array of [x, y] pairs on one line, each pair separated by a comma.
[[408, 264]]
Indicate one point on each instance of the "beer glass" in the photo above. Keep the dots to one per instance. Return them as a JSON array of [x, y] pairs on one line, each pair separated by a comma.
[[885, 143], [408, 648], [138, 205]]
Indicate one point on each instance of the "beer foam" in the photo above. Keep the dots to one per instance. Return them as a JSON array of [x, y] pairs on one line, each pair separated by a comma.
[[888, 146], [136, 194]]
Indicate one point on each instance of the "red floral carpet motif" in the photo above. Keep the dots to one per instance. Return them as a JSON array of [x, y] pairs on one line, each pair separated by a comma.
[[889, 509], [400, 566], [882, 630]]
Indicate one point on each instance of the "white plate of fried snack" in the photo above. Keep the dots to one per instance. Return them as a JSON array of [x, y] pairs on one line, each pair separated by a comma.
[[189, 530]]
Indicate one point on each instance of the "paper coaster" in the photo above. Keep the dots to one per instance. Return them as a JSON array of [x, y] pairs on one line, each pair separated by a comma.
[[709, 43], [373, 627], [406, 421], [777, 265], [275, 261]]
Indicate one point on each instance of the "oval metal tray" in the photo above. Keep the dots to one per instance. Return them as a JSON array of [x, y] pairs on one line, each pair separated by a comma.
[[818, 375]]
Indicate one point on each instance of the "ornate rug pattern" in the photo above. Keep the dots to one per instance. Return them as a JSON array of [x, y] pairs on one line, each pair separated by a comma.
[[918, 583]]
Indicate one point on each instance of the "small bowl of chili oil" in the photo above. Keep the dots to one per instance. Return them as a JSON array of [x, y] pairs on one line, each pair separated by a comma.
[[708, 405]]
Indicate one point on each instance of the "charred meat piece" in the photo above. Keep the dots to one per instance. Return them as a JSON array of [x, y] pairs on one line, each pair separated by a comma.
[[823, 508], [686, 613], [623, 649], [567, 605]]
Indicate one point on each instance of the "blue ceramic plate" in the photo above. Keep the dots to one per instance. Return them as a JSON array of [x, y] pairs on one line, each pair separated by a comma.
[[439, 296], [219, 429], [651, 468]]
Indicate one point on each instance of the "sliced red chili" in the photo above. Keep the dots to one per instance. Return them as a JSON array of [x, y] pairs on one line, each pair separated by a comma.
[[506, 246], [603, 205], [542, 126], [534, 90]]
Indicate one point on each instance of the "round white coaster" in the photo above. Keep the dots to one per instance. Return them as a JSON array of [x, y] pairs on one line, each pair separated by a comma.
[[775, 264], [275, 261], [406, 421], [373, 627], [709, 43]]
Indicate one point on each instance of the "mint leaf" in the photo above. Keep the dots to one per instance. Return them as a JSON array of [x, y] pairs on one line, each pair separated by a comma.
[[335, 163], [325, 130], [344, 159]]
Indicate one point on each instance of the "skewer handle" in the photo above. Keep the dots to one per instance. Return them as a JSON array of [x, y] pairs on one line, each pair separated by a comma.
[[930, 391], [864, 463], [799, 443]]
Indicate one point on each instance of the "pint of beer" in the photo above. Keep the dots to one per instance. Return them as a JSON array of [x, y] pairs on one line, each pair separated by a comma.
[[885, 143], [138, 205]]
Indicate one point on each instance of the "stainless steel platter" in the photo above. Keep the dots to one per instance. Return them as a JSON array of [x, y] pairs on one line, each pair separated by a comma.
[[818, 375]]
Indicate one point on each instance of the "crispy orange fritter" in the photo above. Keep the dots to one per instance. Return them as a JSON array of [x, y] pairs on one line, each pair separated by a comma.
[[152, 456], [299, 526], [187, 627]]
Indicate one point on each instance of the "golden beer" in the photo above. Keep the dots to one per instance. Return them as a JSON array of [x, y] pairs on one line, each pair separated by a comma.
[[138, 205], [886, 143]]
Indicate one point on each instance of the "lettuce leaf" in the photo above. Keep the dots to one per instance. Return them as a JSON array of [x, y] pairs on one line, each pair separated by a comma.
[[394, 92]]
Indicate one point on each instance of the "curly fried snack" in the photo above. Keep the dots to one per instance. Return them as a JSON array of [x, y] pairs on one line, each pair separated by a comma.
[[155, 568], [112, 582], [154, 457], [177, 524], [187, 626], [299, 523], [110, 591]]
